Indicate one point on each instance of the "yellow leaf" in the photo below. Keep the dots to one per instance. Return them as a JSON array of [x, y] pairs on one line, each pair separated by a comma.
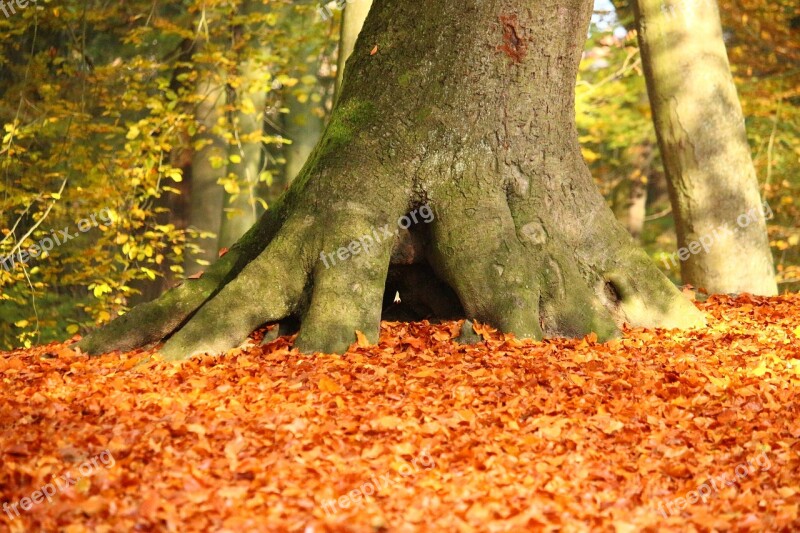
[[235, 158], [577, 380], [101, 289], [72, 329], [589, 155], [720, 383], [761, 369], [133, 133], [328, 385], [83, 485], [426, 372], [388, 422], [21, 323], [361, 340]]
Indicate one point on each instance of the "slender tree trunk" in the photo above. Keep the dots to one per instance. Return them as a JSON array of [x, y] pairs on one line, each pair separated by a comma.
[[355, 13], [466, 114], [719, 215], [637, 204], [244, 154], [246, 98], [304, 127], [304, 123], [209, 165]]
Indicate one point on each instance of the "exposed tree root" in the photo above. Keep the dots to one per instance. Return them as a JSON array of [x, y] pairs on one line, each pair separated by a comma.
[[510, 273], [154, 321]]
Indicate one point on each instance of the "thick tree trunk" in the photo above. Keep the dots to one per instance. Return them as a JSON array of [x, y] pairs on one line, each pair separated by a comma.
[[719, 216], [466, 110]]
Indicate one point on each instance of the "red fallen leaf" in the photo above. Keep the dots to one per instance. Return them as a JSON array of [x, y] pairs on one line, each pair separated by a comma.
[[196, 276], [223, 251], [17, 449], [374, 50]]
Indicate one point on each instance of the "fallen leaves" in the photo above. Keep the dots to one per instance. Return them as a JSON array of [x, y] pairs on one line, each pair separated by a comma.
[[524, 436]]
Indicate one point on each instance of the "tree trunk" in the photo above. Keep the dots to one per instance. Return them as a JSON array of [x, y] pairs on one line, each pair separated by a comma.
[[355, 13], [466, 114], [246, 100], [207, 197], [304, 127], [714, 192], [244, 154], [304, 123]]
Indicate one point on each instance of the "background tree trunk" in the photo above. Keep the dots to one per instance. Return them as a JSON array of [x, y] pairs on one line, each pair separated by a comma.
[[719, 216], [353, 17], [304, 123], [304, 127], [246, 100], [206, 196], [244, 155]]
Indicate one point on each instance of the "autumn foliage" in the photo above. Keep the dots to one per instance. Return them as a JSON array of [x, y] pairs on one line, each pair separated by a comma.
[[565, 435]]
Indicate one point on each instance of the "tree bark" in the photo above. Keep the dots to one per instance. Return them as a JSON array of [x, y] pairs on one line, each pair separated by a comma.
[[304, 123], [714, 192], [466, 109], [207, 197], [246, 99], [244, 155], [304, 127]]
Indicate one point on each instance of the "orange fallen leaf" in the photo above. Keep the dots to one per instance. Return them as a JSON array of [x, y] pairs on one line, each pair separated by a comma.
[[328, 385]]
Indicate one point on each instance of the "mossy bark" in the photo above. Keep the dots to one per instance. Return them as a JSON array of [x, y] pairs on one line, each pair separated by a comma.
[[466, 109]]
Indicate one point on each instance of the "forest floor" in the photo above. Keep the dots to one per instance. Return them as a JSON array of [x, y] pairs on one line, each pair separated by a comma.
[[661, 430]]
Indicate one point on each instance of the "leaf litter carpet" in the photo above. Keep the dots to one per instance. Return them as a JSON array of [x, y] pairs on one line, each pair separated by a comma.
[[661, 430]]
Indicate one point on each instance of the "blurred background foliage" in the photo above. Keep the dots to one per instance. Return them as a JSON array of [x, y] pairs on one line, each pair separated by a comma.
[[187, 119]]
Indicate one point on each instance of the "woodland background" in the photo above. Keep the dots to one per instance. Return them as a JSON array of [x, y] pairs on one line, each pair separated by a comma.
[[185, 120]]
